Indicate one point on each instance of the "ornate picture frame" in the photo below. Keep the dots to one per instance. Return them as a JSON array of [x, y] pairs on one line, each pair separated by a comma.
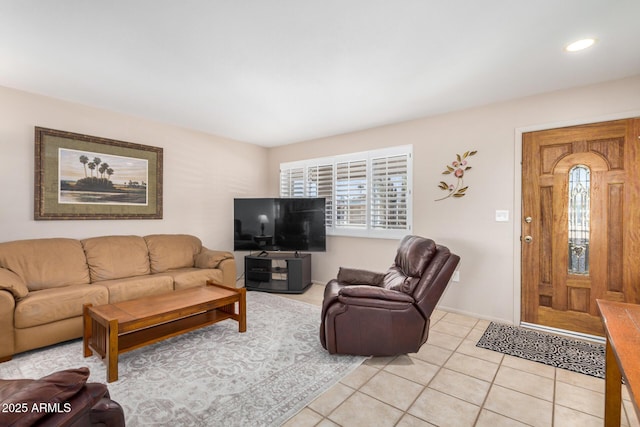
[[87, 177]]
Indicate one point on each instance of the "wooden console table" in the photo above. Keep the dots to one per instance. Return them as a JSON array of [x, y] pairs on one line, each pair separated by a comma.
[[622, 328]]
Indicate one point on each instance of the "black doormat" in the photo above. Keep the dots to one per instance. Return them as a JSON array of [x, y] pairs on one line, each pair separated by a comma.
[[571, 354]]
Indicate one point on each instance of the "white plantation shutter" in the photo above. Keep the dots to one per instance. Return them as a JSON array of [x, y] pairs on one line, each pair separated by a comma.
[[292, 182], [367, 194], [351, 194], [320, 184], [389, 192]]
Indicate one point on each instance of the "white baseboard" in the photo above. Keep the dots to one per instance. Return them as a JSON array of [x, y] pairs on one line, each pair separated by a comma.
[[476, 315]]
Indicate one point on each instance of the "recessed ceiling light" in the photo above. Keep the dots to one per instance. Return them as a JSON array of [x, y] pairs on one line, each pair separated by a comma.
[[580, 45]]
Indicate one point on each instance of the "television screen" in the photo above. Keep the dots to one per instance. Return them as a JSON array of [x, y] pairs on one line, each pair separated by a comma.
[[279, 224]]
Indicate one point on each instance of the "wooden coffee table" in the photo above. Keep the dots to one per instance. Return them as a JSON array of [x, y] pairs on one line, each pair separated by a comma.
[[112, 329]]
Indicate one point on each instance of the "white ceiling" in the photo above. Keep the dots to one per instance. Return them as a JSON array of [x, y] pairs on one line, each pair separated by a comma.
[[273, 72]]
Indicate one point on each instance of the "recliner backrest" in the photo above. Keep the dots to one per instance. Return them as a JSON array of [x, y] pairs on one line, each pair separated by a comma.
[[434, 280], [413, 256]]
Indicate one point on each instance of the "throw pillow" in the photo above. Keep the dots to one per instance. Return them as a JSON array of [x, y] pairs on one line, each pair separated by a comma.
[[55, 388]]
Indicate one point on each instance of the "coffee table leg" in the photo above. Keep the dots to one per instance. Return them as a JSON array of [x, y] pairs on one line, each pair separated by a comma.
[[242, 308], [112, 351], [86, 332]]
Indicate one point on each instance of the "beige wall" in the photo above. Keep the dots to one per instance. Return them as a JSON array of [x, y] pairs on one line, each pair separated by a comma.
[[489, 270], [202, 173]]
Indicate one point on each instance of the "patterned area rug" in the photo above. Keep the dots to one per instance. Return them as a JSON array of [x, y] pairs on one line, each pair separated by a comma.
[[214, 376], [573, 355]]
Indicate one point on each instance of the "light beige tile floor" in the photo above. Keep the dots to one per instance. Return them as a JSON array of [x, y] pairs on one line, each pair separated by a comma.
[[451, 382]]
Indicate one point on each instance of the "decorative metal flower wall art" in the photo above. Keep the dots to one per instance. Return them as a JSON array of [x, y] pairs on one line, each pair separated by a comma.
[[457, 168]]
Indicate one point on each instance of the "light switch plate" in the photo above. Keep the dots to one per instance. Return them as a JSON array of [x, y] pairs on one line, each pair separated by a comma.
[[502, 216]]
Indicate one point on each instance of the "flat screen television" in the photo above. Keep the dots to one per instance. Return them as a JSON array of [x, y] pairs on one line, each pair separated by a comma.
[[279, 224]]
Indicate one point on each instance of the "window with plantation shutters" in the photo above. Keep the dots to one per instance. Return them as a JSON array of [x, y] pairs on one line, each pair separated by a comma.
[[292, 182], [389, 192], [320, 184], [351, 194], [367, 194]]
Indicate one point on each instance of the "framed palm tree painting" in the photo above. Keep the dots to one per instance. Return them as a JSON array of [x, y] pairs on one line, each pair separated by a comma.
[[88, 177]]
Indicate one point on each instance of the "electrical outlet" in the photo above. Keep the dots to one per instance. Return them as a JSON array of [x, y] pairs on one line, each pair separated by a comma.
[[456, 276]]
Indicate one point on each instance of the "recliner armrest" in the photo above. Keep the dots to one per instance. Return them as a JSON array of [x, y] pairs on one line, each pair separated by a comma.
[[354, 276], [375, 292]]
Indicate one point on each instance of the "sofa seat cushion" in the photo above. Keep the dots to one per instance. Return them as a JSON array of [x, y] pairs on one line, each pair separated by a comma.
[[137, 287], [191, 277], [46, 263], [115, 257], [172, 251], [51, 305]]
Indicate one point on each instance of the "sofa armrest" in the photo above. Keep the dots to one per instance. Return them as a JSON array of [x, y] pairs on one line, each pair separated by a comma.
[[208, 258], [221, 260], [11, 282], [228, 267], [7, 310]]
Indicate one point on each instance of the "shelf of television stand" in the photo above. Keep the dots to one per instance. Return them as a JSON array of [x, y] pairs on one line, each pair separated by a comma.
[[278, 272]]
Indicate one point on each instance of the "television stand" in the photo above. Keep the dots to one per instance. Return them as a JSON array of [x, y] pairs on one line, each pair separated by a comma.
[[286, 273]]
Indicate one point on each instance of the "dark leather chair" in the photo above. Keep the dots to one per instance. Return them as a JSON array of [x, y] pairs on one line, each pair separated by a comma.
[[385, 314], [63, 398]]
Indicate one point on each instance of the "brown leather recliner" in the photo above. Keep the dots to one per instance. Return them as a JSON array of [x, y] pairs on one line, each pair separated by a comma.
[[385, 314], [61, 399]]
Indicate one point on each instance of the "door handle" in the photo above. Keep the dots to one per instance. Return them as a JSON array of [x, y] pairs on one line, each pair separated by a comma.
[[528, 239]]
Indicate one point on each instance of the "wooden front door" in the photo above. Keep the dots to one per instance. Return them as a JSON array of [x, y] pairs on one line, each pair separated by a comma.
[[581, 223]]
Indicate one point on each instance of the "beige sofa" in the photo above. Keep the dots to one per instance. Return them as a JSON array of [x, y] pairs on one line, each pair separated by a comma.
[[45, 282]]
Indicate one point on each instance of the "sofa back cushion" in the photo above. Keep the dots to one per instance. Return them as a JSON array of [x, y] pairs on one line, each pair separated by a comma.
[[171, 251], [115, 257], [46, 263]]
